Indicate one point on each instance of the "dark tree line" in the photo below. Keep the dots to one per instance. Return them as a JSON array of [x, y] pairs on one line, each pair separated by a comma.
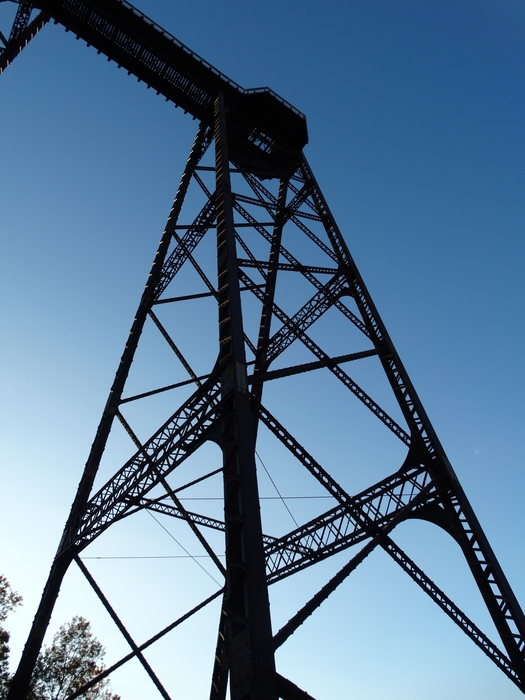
[[73, 658]]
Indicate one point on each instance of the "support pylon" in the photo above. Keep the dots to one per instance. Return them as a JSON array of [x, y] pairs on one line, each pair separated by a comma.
[[263, 250]]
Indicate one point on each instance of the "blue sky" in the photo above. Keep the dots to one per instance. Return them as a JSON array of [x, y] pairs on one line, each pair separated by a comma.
[[415, 114]]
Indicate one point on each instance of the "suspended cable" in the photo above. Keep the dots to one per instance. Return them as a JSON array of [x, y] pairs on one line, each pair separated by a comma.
[[275, 487], [159, 556], [261, 498], [183, 548]]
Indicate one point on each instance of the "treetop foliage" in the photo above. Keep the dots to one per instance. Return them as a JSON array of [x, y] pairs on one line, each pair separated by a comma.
[[9, 599], [74, 658]]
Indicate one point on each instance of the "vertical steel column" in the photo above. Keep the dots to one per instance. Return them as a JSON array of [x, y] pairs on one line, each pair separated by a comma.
[[269, 292], [249, 633], [66, 549], [219, 679]]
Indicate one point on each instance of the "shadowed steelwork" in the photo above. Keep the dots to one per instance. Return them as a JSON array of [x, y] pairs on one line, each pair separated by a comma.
[[256, 248]]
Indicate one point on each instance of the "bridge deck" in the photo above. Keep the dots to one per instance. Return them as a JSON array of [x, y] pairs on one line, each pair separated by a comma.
[[269, 132]]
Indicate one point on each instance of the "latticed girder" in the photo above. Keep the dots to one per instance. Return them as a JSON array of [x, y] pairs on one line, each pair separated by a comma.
[[175, 440], [339, 528], [270, 132], [385, 492], [459, 617], [278, 271], [495, 589], [22, 31], [21, 21], [202, 224], [295, 330], [284, 272]]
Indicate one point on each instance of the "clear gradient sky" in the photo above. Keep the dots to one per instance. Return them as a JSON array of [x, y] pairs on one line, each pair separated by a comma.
[[416, 114]]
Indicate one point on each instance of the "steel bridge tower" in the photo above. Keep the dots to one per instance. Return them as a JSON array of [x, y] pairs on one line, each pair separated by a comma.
[[250, 242]]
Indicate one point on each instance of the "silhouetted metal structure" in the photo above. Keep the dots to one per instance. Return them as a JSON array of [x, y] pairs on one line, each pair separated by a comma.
[[271, 224]]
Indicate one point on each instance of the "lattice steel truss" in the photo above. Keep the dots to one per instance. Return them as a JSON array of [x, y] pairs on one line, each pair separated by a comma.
[[250, 241]]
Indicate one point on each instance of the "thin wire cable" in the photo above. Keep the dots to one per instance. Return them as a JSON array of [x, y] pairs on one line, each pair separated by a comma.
[[275, 487], [159, 556], [261, 498], [183, 548]]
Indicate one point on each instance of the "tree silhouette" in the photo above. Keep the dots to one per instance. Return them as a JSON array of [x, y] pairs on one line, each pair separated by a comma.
[[74, 657], [9, 600]]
